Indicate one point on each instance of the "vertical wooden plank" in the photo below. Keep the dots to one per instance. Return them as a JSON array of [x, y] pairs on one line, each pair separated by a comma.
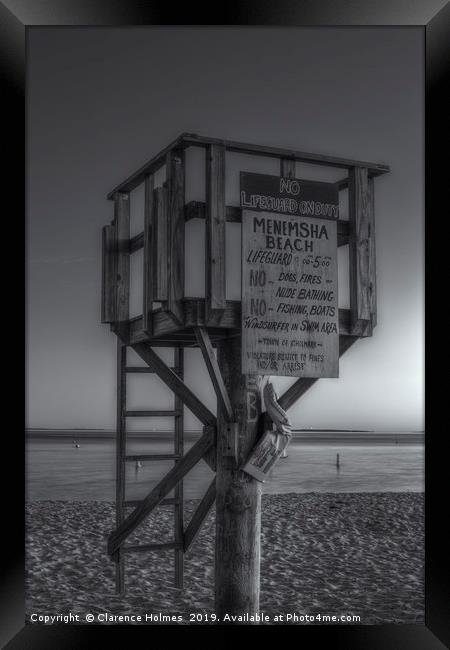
[[206, 347], [373, 255], [287, 168], [178, 493], [160, 245], [120, 457], [122, 265], [238, 501], [122, 312], [148, 280], [215, 278], [361, 253], [108, 279], [175, 202]]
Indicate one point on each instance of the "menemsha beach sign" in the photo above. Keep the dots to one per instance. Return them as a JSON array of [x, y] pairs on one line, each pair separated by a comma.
[[289, 277]]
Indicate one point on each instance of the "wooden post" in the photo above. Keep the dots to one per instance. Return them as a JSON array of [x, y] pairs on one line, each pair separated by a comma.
[[120, 457], [122, 264], [287, 167], [160, 246], [122, 314], [108, 275], [178, 492], [215, 279], [238, 505], [175, 206], [361, 253], [149, 264]]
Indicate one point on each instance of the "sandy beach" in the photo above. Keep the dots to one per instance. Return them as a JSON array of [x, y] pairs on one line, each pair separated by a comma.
[[357, 554]]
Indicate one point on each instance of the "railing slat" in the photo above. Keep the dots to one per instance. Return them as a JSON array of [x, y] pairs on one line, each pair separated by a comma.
[[362, 253], [215, 231], [149, 254], [160, 245], [176, 243]]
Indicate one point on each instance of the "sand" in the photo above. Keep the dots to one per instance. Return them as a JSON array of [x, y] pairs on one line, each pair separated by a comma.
[[356, 554]]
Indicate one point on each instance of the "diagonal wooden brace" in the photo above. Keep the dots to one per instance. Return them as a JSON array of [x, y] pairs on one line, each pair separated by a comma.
[[177, 385], [206, 347], [199, 515], [118, 536], [300, 387]]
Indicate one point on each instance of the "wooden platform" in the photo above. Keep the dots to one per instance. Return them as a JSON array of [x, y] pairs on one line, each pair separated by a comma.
[[227, 324]]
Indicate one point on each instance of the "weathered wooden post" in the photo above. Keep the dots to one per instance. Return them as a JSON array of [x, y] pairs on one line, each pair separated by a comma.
[[238, 505]]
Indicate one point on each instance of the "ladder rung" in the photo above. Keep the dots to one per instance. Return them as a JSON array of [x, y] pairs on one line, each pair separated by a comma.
[[150, 414], [146, 369], [140, 548], [164, 502], [134, 457]]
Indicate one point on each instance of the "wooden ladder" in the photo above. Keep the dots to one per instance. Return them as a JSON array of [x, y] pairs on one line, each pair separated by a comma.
[[122, 458]]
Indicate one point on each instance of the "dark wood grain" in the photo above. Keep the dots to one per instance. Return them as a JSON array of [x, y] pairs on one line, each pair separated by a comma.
[[287, 167], [108, 274], [176, 244], [178, 513], [121, 264], [120, 456], [197, 210], [137, 242], [238, 502], [160, 245], [151, 457], [149, 255], [120, 326], [361, 253], [215, 231]]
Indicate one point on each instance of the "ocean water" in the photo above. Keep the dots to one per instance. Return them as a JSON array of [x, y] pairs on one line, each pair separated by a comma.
[[56, 469]]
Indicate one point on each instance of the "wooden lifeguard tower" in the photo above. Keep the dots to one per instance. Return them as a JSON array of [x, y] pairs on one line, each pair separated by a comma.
[[170, 319]]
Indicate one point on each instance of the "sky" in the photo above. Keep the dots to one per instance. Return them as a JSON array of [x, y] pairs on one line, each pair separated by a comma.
[[101, 102]]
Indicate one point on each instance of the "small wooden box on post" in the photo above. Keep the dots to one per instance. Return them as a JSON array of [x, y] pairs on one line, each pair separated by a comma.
[[170, 318]]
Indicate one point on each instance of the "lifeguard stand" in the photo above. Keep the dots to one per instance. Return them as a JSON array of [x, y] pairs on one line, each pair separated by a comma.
[[170, 319]]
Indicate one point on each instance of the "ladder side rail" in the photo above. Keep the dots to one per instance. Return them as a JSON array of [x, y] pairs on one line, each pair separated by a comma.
[[120, 457], [179, 493]]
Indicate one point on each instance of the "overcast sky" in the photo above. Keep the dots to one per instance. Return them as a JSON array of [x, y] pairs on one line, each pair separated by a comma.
[[103, 101]]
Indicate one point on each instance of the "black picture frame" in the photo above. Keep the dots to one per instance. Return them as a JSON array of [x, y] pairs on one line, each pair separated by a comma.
[[434, 17]]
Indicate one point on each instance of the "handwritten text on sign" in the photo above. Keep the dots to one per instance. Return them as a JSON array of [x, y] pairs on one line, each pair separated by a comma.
[[289, 196], [290, 323]]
